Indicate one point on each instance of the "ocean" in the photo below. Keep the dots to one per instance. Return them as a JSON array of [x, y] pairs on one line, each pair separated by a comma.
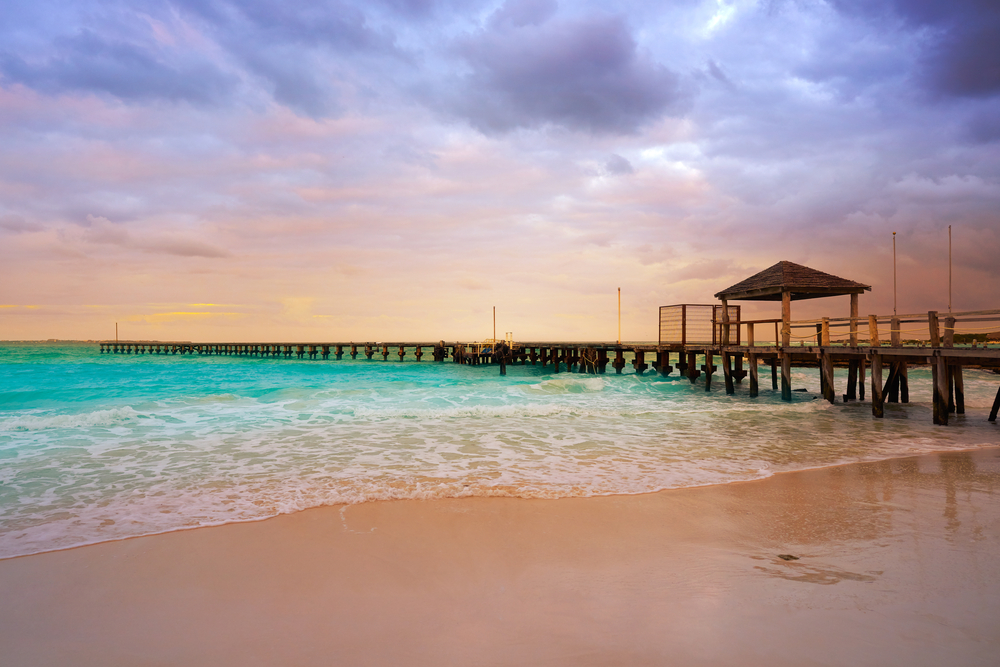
[[98, 447]]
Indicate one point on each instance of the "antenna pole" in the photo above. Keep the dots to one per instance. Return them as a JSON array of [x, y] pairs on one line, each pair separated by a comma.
[[116, 332], [949, 268], [494, 325], [619, 315], [894, 313]]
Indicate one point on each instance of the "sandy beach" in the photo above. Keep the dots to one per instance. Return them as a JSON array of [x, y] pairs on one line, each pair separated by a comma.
[[896, 565]]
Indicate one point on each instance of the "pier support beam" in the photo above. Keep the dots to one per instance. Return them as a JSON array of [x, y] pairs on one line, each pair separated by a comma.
[[619, 363], [727, 372], [786, 376], [959, 382], [878, 406], [774, 375], [939, 372], [996, 407], [852, 376], [826, 360], [692, 366], [639, 362], [708, 367], [754, 377], [861, 379]]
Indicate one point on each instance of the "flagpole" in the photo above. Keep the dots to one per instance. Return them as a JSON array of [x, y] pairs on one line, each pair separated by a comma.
[[619, 315], [894, 313]]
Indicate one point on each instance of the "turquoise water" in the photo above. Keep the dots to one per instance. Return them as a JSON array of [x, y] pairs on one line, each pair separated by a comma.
[[96, 447]]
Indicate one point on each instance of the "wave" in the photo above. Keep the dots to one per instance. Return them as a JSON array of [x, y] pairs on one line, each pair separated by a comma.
[[110, 417]]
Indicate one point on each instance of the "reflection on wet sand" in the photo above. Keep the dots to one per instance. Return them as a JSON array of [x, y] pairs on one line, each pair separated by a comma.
[[865, 564]]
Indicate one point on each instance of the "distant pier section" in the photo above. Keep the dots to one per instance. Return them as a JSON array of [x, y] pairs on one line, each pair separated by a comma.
[[884, 347]]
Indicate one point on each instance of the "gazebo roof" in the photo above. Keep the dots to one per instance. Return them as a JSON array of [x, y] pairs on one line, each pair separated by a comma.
[[801, 281]]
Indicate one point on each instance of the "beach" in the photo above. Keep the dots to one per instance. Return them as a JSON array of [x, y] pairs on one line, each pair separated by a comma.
[[896, 564]]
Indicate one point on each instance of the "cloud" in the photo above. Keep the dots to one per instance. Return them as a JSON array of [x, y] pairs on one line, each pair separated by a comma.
[[584, 74], [960, 56], [89, 62], [618, 165], [17, 224]]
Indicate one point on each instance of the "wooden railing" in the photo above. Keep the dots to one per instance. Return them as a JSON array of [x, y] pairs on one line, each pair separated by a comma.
[[933, 329]]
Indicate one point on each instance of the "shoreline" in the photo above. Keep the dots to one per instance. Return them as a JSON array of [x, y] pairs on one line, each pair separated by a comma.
[[497, 495], [896, 565]]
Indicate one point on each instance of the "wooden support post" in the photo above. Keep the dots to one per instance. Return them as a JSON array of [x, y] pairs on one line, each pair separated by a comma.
[[556, 358], [996, 407], [939, 372], [639, 362], [895, 333], [891, 388], [831, 388], [354, 351], [738, 372], [754, 378], [956, 372], [417, 353], [819, 334], [878, 407], [873, 331], [854, 320], [619, 363], [935, 330], [682, 365], [861, 379], [825, 332], [727, 372], [949, 332], [602, 360], [369, 351], [708, 368], [692, 366], [786, 318], [951, 388], [725, 322], [774, 374], [904, 383], [402, 352], [786, 376], [339, 351], [852, 380]]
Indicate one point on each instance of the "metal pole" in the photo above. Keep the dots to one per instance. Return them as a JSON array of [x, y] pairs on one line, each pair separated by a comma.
[[494, 326], [619, 315], [116, 332], [894, 274], [949, 268]]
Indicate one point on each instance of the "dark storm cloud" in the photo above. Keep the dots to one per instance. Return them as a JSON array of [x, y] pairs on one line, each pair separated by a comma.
[[94, 63], [962, 57], [529, 70]]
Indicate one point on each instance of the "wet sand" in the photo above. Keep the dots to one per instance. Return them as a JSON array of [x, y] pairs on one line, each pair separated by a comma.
[[898, 564]]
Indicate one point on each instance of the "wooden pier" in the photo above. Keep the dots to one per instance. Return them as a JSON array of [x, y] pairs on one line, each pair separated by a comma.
[[887, 350]]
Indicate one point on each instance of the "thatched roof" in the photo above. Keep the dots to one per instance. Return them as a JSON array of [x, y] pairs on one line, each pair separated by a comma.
[[801, 281]]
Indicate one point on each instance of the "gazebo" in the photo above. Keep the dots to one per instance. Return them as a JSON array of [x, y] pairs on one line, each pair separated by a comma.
[[787, 282]]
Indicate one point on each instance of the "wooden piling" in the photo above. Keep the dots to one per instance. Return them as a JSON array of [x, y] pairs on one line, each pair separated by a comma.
[[878, 406], [786, 376], [774, 375], [692, 366], [996, 407], [956, 372], [935, 331], [708, 370], [939, 372], [727, 372], [619, 363], [754, 379]]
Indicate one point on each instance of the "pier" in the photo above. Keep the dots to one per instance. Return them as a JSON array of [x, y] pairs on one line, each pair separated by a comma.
[[883, 347]]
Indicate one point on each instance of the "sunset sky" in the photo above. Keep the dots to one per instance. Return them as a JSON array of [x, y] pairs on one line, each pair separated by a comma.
[[393, 169]]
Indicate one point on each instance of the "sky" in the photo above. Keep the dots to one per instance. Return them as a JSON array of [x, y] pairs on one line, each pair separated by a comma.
[[326, 170]]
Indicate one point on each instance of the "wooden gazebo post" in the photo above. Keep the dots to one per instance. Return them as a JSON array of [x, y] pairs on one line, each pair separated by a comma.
[[786, 341]]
